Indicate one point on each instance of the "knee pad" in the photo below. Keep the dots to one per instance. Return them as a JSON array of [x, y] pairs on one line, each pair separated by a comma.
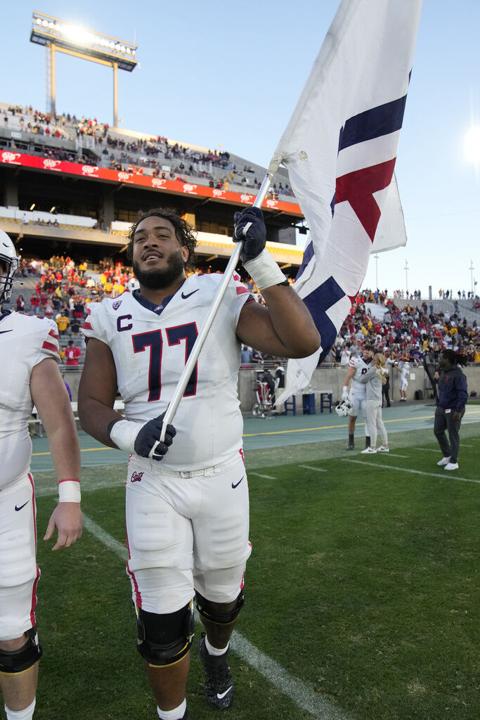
[[165, 639], [210, 612], [16, 661]]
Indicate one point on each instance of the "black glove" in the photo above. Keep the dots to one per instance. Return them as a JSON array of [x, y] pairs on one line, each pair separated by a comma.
[[249, 227], [147, 443]]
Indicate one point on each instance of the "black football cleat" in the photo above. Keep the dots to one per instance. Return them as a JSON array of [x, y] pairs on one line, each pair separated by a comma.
[[218, 682]]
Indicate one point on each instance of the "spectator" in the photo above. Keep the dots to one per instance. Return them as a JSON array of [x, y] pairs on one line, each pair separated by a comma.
[[72, 354], [452, 398]]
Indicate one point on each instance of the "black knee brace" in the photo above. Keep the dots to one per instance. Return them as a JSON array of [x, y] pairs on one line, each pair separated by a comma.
[[165, 639], [209, 610], [15, 661]]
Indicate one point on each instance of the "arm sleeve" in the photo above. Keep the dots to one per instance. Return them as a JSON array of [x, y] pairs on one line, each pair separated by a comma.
[[48, 342], [95, 325]]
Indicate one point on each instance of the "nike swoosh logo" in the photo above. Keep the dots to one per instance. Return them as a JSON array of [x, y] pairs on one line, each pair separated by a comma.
[[220, 696], [17, 508], [189, 294], [4, 331], [235, 485]]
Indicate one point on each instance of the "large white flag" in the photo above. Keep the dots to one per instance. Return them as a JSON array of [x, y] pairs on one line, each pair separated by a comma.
[[340, 149]]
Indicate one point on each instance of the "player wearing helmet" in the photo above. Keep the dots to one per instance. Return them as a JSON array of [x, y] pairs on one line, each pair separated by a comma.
[[30, 375]]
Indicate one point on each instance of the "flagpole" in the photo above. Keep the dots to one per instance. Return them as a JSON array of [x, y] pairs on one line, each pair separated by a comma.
[[200, 341]]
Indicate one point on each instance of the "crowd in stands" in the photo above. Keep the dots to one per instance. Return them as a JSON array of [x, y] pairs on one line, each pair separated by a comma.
[[157, 157], [412, 333], [64, 288]]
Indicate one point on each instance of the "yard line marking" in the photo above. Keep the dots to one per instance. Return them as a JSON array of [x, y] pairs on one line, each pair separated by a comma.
[[444, 475], [105, 538], [390, 454], [310, 467], [302, 694], [267, 477], [431, 450], [470, 447]]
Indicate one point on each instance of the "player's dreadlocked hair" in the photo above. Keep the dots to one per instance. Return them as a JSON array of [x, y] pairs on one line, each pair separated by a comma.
[[183, 231]]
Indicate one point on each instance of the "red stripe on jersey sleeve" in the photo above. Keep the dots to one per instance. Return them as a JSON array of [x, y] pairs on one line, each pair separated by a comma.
[[87, 326], [50, 346], [54, 334], [241, 290]]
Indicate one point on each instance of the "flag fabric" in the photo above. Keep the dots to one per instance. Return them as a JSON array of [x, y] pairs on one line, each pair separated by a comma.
[[340, 150]]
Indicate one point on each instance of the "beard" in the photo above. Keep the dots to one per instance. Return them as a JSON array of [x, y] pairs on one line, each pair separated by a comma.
[[159, 279]]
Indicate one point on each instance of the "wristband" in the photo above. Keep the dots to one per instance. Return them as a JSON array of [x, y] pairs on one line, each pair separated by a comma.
[[264, 271], [69, 490], [123, 433]]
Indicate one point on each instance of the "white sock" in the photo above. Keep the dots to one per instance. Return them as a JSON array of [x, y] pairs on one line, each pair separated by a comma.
[[213, 650], [26, 714], [175, 714]]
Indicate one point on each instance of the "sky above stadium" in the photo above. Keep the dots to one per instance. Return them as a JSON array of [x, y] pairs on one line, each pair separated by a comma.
[[227, 75]]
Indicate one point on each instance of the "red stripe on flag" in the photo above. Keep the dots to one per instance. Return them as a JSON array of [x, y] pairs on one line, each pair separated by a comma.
[[358, 187]]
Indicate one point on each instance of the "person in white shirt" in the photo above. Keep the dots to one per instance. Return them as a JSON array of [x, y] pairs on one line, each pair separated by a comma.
[[29, 351], [187, 509], [404, 368]]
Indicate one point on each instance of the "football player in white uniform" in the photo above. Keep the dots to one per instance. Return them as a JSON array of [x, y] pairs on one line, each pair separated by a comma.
[[404, 367], [187, 516], [30, 375], [355, 391]]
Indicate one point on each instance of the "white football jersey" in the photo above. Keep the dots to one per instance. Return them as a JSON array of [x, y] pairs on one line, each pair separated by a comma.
[[404, 370], [150, 350], [359, 389], [24, 342]]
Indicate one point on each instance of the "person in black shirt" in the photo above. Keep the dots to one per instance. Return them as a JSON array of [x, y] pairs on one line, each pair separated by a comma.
[[451, 401]]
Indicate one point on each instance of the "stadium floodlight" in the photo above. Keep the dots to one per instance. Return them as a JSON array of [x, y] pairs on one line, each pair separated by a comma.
[[81, 42]]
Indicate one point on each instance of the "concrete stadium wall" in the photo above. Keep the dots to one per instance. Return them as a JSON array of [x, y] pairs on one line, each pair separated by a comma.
[[323, 380]]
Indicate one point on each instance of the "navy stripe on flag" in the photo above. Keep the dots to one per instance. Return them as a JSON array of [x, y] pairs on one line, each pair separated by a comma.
[[307, 256], [373, 123], [318, 302]]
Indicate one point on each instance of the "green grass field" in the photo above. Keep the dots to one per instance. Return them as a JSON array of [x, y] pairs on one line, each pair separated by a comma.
[[363, 586]]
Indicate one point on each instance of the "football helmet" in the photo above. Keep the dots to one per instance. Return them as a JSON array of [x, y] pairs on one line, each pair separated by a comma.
[[8, 256], [343, 408]]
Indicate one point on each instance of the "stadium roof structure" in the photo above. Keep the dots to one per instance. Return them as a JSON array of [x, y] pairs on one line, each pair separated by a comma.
[[62, 36]]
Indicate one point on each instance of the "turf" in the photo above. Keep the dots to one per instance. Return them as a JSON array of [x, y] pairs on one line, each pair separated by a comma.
[[363, 583]]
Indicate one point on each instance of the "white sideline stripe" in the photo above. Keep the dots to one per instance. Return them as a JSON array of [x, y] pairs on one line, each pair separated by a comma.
[[310, 467], [267, 477], [390, 454], [105, 538], [445, 475], [298, 691]]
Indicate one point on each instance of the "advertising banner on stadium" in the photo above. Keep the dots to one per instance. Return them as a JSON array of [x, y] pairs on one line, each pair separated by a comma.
[[340, 150], [177, 186]]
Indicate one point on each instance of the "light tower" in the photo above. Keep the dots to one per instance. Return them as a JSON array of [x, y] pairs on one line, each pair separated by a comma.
[[62, 36]]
